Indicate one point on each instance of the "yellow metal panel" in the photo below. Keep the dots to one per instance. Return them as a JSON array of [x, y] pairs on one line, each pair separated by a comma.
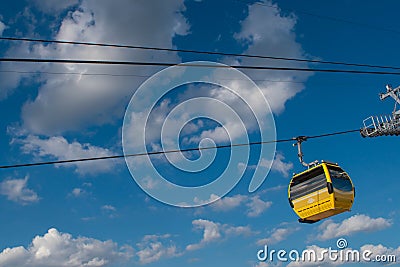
[[326, 171]]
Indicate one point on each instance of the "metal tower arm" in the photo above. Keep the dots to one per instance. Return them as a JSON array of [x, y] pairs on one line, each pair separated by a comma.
[[384, 124], [394, 93]]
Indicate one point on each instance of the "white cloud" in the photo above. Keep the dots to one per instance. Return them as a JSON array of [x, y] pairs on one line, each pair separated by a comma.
[[237, 230], [277, 235], [257, 206], [77, 192], [228, 203], [80, 191], [61, 249], [381, 250], [75, 102], [108, 208], [214, 232], [59, 148], [16, 190], [149, 182], [67, 102], [352, 225], [109, 211], [154, 247], [267, 32], [280, 40], [211, 233], [207, 104], [2, 27], [242, 166], [278, 164], [17, 256]]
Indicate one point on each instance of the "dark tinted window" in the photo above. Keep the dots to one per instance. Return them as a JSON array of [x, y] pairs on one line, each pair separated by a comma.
[[340, 180], [307, 183]]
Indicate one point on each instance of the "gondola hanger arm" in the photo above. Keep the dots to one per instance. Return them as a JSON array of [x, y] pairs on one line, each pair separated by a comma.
[[299, 140]]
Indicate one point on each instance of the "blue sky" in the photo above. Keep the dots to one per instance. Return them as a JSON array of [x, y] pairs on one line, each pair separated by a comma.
[[95, 214]]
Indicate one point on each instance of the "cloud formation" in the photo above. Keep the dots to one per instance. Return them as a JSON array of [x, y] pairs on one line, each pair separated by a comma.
[[277, 235], [356, 223], [55, 249], [152, 248], [59, 148], [265, 31], [16, 190], [2, 27], [67, 102], [381, 250], [77, 192], [277, 165], [214, 232], [211, 233], [255, 205], [227, 203]]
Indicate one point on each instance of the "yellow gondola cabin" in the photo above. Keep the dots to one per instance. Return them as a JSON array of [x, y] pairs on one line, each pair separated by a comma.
[[320, 192]]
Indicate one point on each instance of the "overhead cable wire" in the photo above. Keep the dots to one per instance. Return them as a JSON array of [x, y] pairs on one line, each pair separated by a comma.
[[331, 134], [171, 151], [197, 52], [204, 65], [331, 18]]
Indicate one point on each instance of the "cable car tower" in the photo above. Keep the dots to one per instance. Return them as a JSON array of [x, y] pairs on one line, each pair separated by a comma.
[[384, 124]]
